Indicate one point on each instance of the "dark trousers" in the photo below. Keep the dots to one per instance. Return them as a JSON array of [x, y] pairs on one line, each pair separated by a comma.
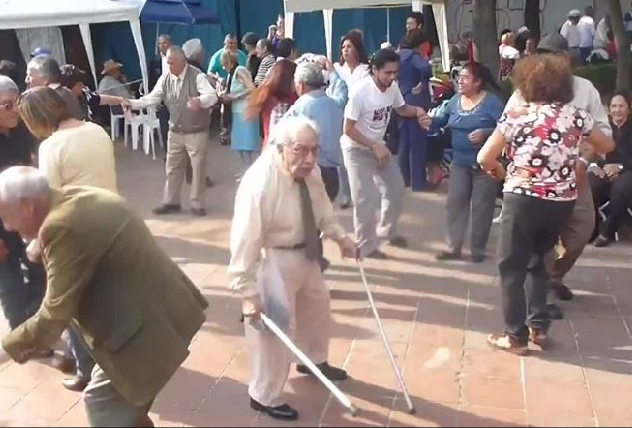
[[413, 154], [530, 229], [20, 296], [619, 193], [331, 180], [584, 53]]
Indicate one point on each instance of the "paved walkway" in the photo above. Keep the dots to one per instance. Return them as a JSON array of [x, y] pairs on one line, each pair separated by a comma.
[[437, 316]]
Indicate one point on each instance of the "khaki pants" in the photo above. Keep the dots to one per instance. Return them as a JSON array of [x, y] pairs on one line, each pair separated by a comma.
[[575, 236], [107, 408], [294, 296], [196, 145]]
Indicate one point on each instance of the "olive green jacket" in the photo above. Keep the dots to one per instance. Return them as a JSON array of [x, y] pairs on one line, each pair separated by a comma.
[[136, 311]]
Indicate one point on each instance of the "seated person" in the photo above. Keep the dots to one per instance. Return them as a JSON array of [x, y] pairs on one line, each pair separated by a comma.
[[611, 180]]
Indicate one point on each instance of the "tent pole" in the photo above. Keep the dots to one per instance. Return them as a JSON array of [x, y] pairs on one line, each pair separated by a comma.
[[388, 24], [157, 37]]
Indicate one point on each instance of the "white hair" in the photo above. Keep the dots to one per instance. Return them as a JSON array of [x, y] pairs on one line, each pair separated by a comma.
[[177, 51], [8, 85], [193, 48], [310, 74], [284, 133], [22, 182]]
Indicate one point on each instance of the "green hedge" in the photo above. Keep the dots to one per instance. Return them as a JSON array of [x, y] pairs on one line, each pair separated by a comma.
[[603, 76]]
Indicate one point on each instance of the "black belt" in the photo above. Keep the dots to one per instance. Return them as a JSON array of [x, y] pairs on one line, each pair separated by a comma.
[[291, 248]]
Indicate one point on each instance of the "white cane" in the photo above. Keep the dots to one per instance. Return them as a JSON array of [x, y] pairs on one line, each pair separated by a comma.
[[301, 356], [398, 373]]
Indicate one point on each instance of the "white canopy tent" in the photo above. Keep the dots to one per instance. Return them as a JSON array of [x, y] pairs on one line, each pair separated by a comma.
[[328, 6], [17, 14]]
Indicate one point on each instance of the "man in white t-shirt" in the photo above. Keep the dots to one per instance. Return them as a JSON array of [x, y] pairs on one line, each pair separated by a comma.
[[586, 29], [368, 160], [570, 31]]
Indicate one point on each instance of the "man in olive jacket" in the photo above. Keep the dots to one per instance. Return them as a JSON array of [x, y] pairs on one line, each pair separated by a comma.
[[136, 311]]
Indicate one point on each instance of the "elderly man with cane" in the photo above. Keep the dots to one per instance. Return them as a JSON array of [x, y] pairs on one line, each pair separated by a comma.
[[189, 96], [136, 311], [280, 206]]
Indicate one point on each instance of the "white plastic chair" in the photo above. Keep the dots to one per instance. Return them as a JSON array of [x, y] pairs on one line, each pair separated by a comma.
[[115, 120], [149, 124]]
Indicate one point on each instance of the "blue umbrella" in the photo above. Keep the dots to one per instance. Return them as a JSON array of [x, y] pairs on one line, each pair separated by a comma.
[[184, 12]]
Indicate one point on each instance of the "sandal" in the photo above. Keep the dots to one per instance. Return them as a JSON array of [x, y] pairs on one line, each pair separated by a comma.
[[508, 344], [538, 337]]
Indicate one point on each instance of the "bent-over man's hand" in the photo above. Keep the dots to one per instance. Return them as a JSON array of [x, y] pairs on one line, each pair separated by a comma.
[[348, 248], [194, 104], [251, 308], [34, 251]]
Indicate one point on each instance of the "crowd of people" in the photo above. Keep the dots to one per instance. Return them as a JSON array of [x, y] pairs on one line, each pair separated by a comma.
[[308, 132]]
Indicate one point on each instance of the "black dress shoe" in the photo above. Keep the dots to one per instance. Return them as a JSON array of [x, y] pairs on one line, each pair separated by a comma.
[[562, 292], [281, 413], [198, 212], [324, 264], [602, 242], [167, 209], [377, 255], [398, 242], [448, 256], [209, 182], [332, 373], [478, 258], [555, 312], [75, 384]]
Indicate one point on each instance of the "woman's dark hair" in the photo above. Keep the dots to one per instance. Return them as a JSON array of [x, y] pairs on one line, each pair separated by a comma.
[[419, 17], [357, 40], [383, 57], [71, 75], [413, 40], [277, 86], [505, 31], [544, 78], [285, 47], [482, 73], [622, 93], [266, 43]]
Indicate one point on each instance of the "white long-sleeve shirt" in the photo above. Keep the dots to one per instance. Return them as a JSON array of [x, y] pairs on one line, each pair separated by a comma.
[[586, 29], [268, 215], [571, 33], [208, 96]]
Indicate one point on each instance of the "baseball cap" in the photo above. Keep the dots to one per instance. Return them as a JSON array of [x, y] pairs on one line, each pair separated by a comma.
[[575, 13], [41, 51], [554, 43]]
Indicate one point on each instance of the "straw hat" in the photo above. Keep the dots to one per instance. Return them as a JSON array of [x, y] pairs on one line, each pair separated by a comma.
[[110, 65]]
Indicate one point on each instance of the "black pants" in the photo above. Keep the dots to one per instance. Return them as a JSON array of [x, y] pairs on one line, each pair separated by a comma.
[[331, 180], [530, 229], [619, 193]]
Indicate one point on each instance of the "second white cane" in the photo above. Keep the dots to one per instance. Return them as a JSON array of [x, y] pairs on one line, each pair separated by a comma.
[[340, 396], [398, 373]]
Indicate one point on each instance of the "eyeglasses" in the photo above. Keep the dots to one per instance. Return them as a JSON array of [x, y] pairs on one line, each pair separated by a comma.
[[9, 105], [303, 151]]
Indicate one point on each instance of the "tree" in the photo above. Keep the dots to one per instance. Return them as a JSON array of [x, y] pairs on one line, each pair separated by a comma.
[[532, 17], [486, 34], [622, 40]]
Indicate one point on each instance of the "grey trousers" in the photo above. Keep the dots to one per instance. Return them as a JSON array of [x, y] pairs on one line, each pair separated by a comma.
[[470, 193], [107, 408], [179, 145], [574, 237], [374, 187]]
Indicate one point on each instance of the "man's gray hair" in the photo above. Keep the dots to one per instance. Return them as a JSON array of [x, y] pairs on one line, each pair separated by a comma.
[[310, 74], [166, 37], [285, 131], [47, 67], [8, 85], [177, 51], [193, 49], [22, 182]]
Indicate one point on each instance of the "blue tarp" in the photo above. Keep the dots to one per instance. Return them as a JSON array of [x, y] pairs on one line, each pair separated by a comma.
[[114, 41], [185, 12]]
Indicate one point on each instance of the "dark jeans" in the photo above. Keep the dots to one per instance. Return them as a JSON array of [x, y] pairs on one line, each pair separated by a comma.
[[584, 53], [530, 229], [20, 296], [331, 180], [80, 353], [619, 193], [413, 154]]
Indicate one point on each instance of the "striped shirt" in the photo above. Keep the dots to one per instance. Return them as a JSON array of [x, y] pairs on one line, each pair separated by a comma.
[[266, 65]]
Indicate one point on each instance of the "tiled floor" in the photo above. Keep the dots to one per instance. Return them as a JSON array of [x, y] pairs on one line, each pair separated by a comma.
[[437, 316]]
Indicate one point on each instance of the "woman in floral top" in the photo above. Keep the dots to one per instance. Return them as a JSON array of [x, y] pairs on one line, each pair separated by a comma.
[[541, 139]]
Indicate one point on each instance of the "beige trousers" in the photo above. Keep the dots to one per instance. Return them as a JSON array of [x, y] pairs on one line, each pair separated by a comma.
[[294, 295], [196, 145]]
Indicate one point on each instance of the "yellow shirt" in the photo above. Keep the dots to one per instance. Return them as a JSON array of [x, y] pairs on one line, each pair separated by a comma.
[[268, 215], [81, 156]]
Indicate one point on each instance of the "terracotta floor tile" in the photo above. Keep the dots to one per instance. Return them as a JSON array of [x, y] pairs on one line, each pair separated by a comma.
[[491, 364], [558, 403], [475, 416], [612, 404], [498, 393]]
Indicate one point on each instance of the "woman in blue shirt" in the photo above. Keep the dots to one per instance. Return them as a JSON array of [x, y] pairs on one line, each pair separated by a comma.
[[414, 82], [471, 116]]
